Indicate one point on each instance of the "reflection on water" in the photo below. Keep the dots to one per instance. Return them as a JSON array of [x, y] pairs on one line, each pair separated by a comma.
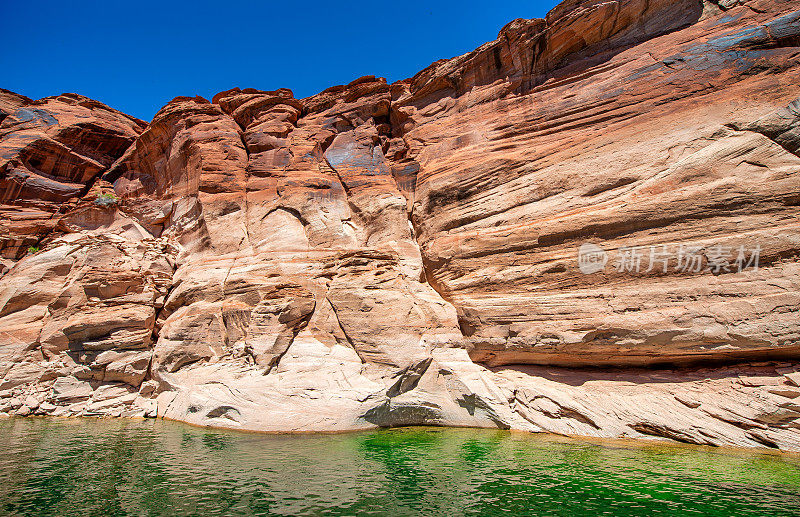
[[119, 467]]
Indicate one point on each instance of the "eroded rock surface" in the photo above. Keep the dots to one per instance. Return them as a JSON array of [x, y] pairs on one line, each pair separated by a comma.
[[407, 254], [51, 152]]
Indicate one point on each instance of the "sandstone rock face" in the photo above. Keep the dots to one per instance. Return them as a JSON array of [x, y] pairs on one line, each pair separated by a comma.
[[51, 151], [588, 226], [657, 145]]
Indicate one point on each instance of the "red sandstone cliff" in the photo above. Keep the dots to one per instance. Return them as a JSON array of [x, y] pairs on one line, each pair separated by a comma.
[[395, 254]]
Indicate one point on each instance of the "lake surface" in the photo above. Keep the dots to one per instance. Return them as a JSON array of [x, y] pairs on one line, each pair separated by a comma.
[[87, 467]]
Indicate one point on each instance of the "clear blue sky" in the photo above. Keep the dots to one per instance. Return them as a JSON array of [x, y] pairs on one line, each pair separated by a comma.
[[136, 56]]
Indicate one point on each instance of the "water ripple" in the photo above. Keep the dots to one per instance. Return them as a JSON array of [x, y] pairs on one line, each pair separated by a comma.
[[117, 467]]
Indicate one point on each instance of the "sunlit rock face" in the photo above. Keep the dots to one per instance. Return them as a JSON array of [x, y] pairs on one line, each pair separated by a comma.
[[51, 152], [522, 237], [657, 142]]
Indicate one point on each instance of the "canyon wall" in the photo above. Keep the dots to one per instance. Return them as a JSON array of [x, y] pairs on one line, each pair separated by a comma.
[[588, 226]]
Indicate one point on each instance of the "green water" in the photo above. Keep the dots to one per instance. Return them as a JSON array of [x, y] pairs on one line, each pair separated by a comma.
[[118, 467]]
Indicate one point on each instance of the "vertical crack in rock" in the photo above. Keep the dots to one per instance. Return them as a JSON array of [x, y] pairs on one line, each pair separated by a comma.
[[246, 183], [344, 332], [416, 231], [293, 331]]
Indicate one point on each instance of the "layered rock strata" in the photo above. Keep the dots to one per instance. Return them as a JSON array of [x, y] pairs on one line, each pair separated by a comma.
[[588, 226]]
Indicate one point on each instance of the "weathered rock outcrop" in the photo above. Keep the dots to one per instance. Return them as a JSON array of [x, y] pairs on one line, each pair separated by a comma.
[[588, 226], [51, 151]]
